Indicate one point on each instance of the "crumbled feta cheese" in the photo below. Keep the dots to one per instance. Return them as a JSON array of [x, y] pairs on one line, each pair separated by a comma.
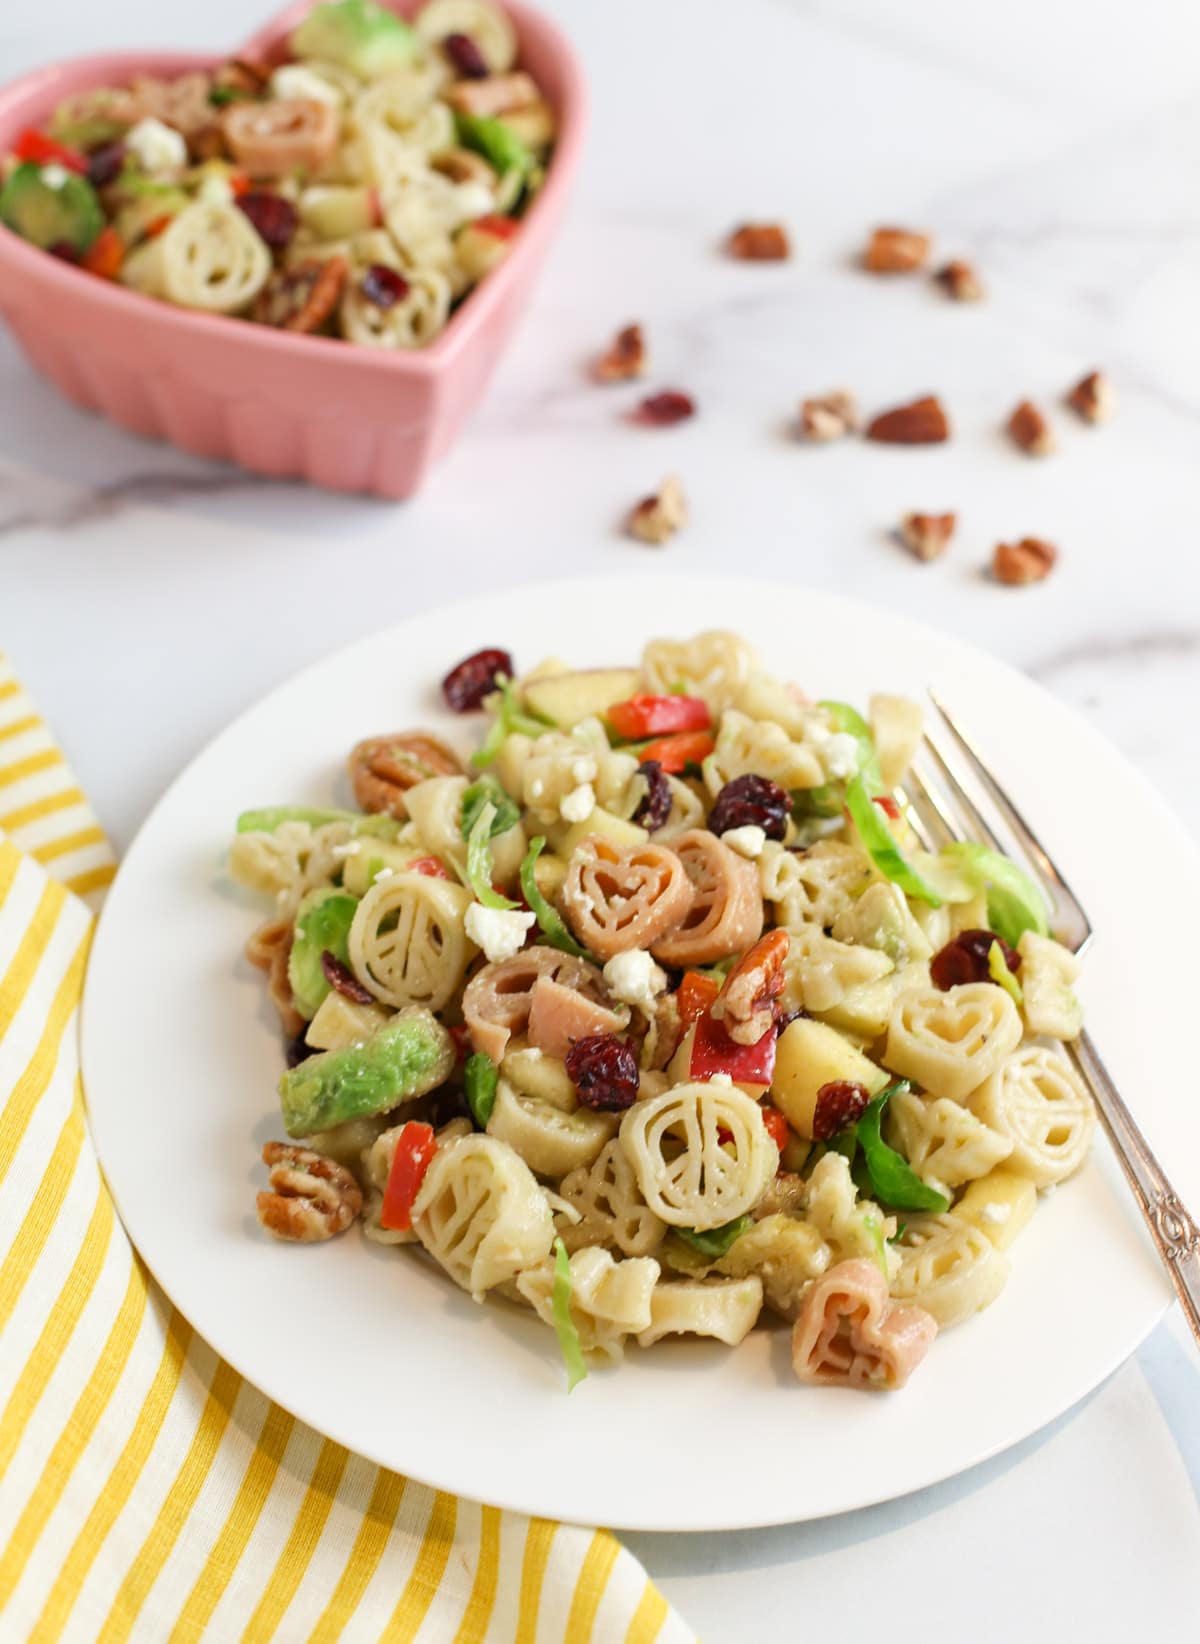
[[294, 80], [583, 770], [996, 1213], [747, 841], [635, 979], [473, 200], [537, 788], [578, 804], [350, 848], [720, 1079], [841, 756], [215, 190], [155, 146], [500, 932], [383, 873], [54, 175]]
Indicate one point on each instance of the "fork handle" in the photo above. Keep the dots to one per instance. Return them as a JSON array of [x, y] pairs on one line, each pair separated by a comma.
[[1175, 1233]]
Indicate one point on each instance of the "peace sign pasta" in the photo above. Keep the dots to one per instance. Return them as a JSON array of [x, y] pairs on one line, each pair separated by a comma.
[[700, 1153], [210, 258], [615, 1069]]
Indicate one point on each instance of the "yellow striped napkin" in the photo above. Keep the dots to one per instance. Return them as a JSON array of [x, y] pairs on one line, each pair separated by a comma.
[[147, 1492]]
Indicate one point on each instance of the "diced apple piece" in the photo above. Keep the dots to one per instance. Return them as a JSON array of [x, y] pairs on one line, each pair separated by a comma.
[[601, 823], [565, 699], [340, 1022], [679, 1068], [359, 869], [811, 1054], [999, 1204]]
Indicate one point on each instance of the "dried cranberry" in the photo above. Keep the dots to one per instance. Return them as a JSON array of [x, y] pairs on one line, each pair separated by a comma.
[[383, 286], [466, 56], [838, 1104], [105, 164], [751, 801], [655, 806], [343, 980], [274, 218], [64, 251], [965, 959], [665, 409], [466, 685], [297, 1050], [785, 1018], [604, 1071]]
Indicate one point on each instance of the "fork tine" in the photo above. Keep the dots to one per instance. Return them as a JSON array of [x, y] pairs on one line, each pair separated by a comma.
[[932, 823], [974, 817], [1064, 896]]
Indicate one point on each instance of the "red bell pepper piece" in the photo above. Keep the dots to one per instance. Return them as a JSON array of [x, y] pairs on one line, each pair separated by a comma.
[[657, 715], [105, 254], [415, 1147], [430, 866], [696, 993], [44, 151], [888, 806], [778, 1128], [713, 1051], [674, 752], [500, 228]]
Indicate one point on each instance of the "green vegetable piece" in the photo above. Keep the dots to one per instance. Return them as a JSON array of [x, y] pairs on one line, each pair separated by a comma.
[[49, 206], [480, 1078], [219, 96], [479, 861], [999, 972], [564, 1324], [879, 842], [323, 922], [81, 122], [714, 1242], [826, 801], [271, 817], [848, 720], [363, 37], [893, 1180], [549, 923], [1014, 902], [407, 1056], [488, 791], [510, 717], [498, 143], [875, 1231]]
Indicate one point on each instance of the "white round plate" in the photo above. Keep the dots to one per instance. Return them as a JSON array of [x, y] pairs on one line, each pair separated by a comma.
[[379, 1350]]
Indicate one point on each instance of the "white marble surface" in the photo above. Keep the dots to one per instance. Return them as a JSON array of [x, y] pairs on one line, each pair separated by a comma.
[[146, 596]]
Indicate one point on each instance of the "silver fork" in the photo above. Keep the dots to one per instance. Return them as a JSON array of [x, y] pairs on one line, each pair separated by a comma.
[[944, 811]]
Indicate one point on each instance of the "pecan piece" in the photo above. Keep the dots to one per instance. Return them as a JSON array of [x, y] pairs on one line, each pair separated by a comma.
[[829, 416], [625, 358], [896, 251], [665, 409], [269, 948], [1093, 397], [759, 243], [1029, 560], [921, 423], [746, 1004], [960, 282], [303, 297], [463, 165], [382, 768], [495, 95], [927, 535], [656, 518], [1030, 429], [311, 1197]]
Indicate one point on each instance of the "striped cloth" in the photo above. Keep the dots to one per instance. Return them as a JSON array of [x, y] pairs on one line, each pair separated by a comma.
[[148, 1493]]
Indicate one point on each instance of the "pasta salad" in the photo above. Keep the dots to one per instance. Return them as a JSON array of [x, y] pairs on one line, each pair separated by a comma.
[[653, 1017], [357, 189]]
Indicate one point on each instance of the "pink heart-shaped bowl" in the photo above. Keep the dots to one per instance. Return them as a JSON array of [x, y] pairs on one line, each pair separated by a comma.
[[331, 412]]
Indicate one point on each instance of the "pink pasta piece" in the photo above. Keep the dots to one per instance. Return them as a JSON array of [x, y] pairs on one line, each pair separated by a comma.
[[726, 913], [617, 899], [559, 1015], [289, 134], [498, 999], [850, 1333]]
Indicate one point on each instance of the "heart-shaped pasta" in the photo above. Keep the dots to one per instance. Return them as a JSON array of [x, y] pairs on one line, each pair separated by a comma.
[[714, 665], [726, 1309], [1048, 974], [726, 911], [700, 1152], [945, 1144], [1039, 1102], [616, 899], [497, 1000], [849, 1226], [609, 1300], [610, 1205], [481, 1214], [288, 860], [948, 1267], [412, 321], [401, 105], [951, 1042], [407, 942], [786, 1254], [813, 887], [285, 135], [819, 972], [209, 257], [551, 1142], [759, 747], [850, 1333]]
